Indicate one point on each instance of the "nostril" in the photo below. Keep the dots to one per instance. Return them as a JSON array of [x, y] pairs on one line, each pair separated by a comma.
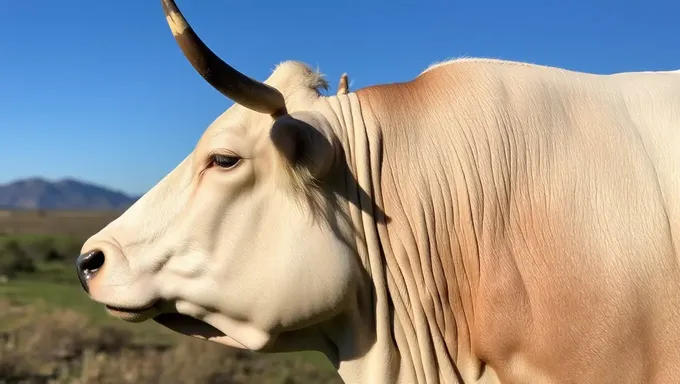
[[91, 262], [87, 266]]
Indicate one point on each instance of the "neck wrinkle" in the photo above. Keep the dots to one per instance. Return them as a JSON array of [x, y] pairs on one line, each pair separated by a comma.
[[431, 247], [409, 256], [375, 358], [407, 344]]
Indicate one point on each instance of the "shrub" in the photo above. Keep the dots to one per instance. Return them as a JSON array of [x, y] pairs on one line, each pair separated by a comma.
[[47, 247], [68, 248], [14, 260]]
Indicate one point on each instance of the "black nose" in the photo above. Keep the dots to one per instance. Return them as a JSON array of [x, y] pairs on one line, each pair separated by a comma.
[[87, 266]]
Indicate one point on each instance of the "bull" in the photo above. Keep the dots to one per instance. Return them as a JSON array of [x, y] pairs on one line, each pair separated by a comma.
[[486, 222]]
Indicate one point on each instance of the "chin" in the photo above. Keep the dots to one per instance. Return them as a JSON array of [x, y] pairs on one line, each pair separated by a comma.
[[190, 326], [132, 315], [242, 337]]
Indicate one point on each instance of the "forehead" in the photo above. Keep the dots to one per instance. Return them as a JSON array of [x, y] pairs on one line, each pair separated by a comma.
[[236, 125]]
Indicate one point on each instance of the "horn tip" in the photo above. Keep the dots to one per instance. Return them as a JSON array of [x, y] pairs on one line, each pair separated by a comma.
[[343, 87], [177, 23], [174, 17]]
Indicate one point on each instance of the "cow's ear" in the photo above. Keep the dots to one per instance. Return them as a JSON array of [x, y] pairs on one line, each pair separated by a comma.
[[305, 140]]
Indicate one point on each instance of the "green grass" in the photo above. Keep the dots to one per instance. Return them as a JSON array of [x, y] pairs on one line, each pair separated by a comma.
[[55, 286]]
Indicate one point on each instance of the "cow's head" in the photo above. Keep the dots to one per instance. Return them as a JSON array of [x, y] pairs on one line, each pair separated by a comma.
[[246, 239]]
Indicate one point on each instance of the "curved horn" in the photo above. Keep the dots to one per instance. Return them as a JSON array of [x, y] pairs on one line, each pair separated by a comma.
[[235, 85]]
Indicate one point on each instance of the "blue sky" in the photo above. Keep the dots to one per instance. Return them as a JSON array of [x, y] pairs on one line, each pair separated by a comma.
[[99, 91]]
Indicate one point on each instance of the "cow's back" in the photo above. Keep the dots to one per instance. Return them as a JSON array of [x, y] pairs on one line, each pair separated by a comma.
[[653, 102]]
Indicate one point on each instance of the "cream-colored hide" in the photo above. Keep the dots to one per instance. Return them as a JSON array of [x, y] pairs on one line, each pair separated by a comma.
[[487, 222]]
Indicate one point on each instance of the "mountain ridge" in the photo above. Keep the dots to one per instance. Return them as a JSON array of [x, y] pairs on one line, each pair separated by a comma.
[[62, 194]]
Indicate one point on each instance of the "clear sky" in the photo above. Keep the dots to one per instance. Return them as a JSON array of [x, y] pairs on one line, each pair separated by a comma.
[[98, 90]]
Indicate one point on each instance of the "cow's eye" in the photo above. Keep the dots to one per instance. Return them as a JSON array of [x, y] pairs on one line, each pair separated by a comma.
[[225, 161]]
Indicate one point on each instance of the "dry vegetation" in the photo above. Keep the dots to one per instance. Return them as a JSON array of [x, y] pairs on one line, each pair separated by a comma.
[[63, 347], [79, 224], [50, 332]]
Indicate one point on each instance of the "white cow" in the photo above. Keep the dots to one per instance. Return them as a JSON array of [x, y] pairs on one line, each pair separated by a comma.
[[486, 222]]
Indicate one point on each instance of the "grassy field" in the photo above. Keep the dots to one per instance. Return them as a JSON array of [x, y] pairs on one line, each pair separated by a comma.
[[51, 332]]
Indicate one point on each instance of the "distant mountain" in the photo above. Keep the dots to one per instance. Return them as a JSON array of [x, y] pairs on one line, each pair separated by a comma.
[[38, 193]]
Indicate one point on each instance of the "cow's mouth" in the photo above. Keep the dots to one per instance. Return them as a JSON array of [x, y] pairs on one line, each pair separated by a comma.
[[166, 315], [193, 327], [133, 315]]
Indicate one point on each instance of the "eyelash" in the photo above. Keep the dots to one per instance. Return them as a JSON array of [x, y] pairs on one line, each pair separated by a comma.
[[225, 161]]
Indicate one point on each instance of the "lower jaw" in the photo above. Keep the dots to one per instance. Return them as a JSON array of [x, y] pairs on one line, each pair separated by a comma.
[[184, 324], [132, 316], [193, 327]]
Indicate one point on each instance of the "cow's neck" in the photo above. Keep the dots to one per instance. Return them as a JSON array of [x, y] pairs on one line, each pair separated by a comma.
[[419, 330], [363, 337]]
